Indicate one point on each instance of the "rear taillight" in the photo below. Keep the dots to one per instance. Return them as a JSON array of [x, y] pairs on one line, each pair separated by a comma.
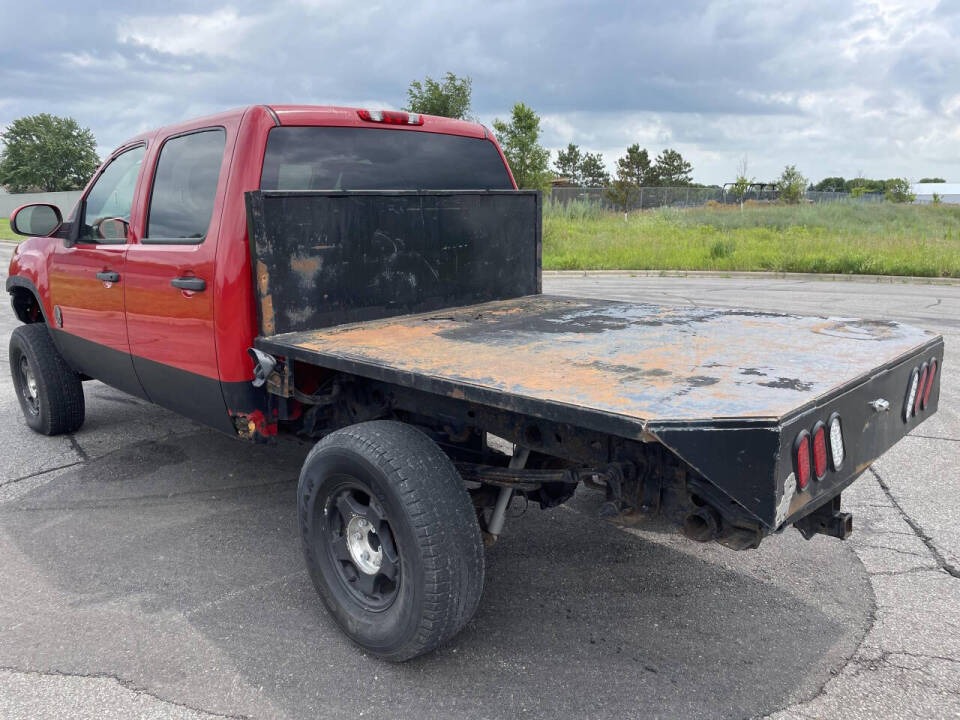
[[911, 398], [931, 373], [801, 459], [835, 439], [391, 117], [819, 451]]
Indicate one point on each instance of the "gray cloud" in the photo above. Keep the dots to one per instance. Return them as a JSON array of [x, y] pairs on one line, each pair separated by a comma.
[[835, 86]]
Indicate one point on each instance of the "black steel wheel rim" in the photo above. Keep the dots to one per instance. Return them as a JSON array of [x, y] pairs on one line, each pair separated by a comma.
[[28, 387], [361, 545]]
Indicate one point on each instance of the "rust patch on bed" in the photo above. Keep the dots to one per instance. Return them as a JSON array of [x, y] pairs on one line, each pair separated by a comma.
[[641, 361]]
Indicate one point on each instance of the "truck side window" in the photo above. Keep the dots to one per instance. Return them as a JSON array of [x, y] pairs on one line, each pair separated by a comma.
[[185, 188], [110, 200]]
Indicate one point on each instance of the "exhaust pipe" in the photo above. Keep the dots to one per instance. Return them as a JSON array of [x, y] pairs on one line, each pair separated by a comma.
[[702, 525]]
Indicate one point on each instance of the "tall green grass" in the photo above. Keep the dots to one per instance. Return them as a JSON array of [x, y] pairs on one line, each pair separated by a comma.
[[856, 238], [6, 233]]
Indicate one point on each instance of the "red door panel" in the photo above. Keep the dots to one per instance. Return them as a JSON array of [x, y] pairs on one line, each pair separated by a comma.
[[87, 279], [168, 325], [90, 308]]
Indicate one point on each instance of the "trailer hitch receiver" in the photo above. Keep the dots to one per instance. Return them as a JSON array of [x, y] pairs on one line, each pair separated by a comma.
[[826, 520]]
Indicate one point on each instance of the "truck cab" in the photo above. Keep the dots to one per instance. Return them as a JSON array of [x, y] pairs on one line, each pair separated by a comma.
[[146, 286]]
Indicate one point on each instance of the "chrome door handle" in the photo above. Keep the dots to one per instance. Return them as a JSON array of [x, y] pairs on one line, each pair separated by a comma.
[[108, 276]]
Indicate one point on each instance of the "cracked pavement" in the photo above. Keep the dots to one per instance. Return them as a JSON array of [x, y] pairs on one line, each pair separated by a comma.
[[151, 568]]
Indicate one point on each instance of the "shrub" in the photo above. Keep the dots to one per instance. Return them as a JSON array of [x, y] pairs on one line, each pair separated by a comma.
[[898, 191], [791, 184]]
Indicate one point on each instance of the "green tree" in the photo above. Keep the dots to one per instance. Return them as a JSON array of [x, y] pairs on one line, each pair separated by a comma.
[[791, 184], [898, 191], [937, 199], [633, 172], [931, 180], [634, 167], [866, 185], [593, 171], [450, 98], [742, 184], [568, 163], [46, 153], [671, 170], [831, 184], [519, 139]]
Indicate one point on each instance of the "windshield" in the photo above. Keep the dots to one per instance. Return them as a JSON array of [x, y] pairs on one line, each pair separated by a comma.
[[338, 158]]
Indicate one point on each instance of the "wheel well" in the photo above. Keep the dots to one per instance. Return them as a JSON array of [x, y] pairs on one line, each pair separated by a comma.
[[25, 305]]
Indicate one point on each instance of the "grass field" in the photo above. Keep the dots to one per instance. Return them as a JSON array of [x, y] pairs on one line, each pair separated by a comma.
[[858, 238], [5, 232], [852, 238]]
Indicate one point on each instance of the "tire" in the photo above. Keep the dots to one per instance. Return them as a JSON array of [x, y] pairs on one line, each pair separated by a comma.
[[390, 538], [50, 393]]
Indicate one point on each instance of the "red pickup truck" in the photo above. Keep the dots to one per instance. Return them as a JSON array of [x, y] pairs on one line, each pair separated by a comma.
[[372, 279]]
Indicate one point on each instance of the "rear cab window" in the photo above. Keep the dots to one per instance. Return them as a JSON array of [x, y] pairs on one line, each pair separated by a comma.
[[185, 187], [344, 158]]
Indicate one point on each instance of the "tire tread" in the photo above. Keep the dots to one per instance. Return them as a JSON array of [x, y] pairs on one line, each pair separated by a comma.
[[62, 406], [441, 513]]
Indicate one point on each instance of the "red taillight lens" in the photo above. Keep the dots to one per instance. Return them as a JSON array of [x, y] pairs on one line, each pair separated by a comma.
[[801, 452], [921, 386], [391, 117], [819, 451], [931, 373]]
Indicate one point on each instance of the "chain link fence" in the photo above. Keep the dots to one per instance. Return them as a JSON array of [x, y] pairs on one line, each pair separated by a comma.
[[646, 198]]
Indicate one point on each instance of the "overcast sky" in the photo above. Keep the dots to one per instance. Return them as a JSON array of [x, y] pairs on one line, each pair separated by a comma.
[[837, 87]]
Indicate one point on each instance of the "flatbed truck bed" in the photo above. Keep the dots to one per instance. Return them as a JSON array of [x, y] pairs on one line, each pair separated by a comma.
[[435, 299]]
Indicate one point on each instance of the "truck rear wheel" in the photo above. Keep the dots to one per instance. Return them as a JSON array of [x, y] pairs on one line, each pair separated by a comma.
[[390, 538], [50, 393]]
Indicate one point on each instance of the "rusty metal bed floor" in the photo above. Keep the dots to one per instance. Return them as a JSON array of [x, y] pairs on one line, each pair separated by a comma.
[[629, 364]]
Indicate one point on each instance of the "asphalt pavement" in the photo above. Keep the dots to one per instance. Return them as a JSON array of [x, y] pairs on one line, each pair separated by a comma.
[[151, 568]]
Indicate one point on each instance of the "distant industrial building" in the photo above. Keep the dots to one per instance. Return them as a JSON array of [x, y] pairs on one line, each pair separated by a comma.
[[948, 192]]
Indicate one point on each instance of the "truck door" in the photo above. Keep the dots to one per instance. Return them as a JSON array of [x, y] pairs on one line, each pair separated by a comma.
[[170, 277], [87, 277]]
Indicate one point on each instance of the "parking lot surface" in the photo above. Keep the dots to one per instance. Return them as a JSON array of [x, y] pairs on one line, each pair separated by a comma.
[[151, 568]]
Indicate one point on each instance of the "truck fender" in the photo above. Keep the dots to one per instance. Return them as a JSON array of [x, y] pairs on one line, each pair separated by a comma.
[[26, 300], [27, 280]]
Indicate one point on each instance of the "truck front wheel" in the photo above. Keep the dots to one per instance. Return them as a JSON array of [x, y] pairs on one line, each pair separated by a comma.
[[390, 538], [50, 393]]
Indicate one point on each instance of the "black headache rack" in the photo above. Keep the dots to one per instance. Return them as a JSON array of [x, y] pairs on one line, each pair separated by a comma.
[[329, 258], [433, 300]]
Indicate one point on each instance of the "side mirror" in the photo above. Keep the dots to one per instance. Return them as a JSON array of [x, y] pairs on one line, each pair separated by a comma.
[[111, 229], [38, 220]]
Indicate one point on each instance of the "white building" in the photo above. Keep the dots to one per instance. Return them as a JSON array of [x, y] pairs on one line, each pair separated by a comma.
[[948, 192]]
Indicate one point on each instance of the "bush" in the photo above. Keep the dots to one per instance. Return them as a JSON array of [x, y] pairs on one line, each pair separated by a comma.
[[898, 191], [792, 184], [721, 248]]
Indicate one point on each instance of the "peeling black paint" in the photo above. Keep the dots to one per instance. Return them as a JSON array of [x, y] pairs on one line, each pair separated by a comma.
[[784, 383]]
